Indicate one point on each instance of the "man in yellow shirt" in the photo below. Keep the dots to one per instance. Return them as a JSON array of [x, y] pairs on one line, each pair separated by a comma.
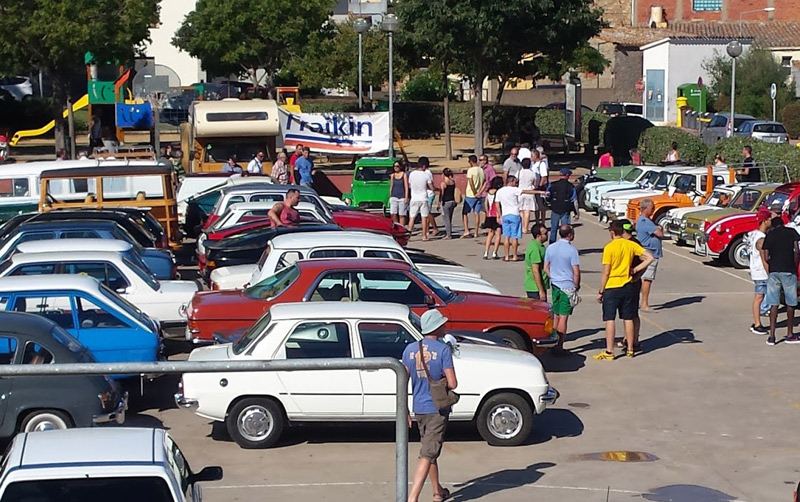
[[617, 292], [476, 182]]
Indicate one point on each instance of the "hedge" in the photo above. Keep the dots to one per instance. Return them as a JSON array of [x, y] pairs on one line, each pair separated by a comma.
[[764, 154], [656, 142], [790, 115]]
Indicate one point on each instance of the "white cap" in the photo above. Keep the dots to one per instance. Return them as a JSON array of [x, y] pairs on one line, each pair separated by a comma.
[[524, 153], [432, 320]]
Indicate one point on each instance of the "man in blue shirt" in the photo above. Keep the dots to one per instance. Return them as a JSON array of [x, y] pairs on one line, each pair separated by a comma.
[[562, 264], [432, 422], [305, 167], [650, 235]]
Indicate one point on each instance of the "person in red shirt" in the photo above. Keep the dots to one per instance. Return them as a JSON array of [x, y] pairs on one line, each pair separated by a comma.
[[298, 152], [284, 214]]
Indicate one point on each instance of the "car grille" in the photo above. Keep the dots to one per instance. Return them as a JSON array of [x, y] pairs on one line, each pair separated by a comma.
[[631, 214]]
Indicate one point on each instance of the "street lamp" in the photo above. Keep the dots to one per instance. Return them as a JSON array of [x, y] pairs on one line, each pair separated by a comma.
[[734, 50], [390, 24], [765, 9], [361, 26]]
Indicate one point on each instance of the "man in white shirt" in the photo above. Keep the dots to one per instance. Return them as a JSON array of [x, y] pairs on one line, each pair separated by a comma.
[[507, 200], [541, 168], [256, 165], [512, 165], [758, 270], [420, 182]]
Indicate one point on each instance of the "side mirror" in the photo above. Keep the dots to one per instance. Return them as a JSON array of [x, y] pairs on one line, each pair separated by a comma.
[[429, 300], [210, 473]]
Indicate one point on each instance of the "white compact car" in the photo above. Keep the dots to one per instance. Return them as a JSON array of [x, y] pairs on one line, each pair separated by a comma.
[[501, 388], [123, 464], [283, 250], [162, 300]]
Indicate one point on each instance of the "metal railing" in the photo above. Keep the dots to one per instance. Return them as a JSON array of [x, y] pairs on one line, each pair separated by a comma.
[[181, 367]]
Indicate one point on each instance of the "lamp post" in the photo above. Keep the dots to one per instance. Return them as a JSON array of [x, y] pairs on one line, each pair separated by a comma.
[[741, 15], [734, 50], [361, 26], [390, 24]]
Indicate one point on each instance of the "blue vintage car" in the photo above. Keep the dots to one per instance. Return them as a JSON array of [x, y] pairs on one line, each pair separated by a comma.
[[110, 327]]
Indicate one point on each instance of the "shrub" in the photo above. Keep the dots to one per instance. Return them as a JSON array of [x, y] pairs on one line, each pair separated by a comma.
[[790, 116], [462, 115], [329, 105], [593, 127], [765, 154], [550, 122], [655, 142]]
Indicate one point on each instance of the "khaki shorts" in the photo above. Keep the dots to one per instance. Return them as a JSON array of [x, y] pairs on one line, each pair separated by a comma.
[[650, 271], [431, 434]]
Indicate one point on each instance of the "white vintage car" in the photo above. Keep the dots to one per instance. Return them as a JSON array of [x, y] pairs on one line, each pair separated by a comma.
[[283, 250], [501, 388], [162, 300]]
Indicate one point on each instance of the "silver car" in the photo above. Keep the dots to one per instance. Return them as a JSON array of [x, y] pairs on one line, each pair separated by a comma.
[[719, 125], [765, 130]]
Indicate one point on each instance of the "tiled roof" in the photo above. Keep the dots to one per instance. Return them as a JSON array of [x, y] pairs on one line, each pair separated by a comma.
[[772, 34]]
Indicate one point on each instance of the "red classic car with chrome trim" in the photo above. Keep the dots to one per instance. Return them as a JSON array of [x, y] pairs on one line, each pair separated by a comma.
[[521, 322], [725, 238]]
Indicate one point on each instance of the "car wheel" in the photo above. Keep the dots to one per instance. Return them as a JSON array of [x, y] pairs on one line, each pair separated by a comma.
[[45, 420], [661, 220], [255, 423], [738, 254], [505, 420], [512, 339]]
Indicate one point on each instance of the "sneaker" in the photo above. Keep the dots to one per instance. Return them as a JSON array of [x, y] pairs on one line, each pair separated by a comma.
[[771, 340], [485, 256], [495, 257], [792, 339], [604, 356], [758, 330]]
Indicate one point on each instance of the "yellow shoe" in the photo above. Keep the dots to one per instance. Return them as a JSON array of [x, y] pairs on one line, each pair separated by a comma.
[[604, 356], [629, 353]]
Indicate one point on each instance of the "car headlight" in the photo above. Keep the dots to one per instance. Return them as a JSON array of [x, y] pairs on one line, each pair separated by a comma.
[[548, 325], [683, 224]]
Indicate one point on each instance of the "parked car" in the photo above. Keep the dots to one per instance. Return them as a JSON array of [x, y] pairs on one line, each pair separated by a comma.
[[195, 183], [51, 402], [523, 323], [610, 108], [563, 106], [636, 177], [764, 130], [614, 203], [110, 327], [20, 88], [283, 250], [155, 259], [161, 300], [634, 109], [129, 464], [720, 127], [720, 197], [369, 189], [501, 389]]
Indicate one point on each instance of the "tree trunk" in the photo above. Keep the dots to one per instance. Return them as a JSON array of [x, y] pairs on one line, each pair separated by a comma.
[[477, 91], [70, 127], [59, 105], [486, 126], [448, 144]]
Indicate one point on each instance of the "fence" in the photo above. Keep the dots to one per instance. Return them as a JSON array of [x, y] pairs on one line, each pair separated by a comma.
[[180, 367]]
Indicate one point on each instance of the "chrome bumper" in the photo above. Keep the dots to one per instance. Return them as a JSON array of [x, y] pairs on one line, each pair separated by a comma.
[[550, 341], [184, 402], [118, 415], [549, 397]]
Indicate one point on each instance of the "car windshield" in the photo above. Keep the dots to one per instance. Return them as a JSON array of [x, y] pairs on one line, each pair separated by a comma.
[[719, 198], [684, 183], [274, 285], [769, 128], [145, 276], [124, 304], [777, 198], [611, 108], [254, 332], [662, 182], [373, 173], [633, 174], [90, 489], [442, 292], [746, 200], [650, 178], [67, 340], [122, 235]]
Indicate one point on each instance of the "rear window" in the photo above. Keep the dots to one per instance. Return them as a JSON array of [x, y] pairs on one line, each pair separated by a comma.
[[124, 489], [633, 109], [769, 128], [14, 187]]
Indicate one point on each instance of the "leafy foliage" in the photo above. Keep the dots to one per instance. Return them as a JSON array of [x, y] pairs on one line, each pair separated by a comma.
[[425, 85], [790, 116], [655, 142], [756, 70], [765, 154]]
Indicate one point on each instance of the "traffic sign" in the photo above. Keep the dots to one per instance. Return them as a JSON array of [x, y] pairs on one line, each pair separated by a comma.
[[773, 91], [639, 86]]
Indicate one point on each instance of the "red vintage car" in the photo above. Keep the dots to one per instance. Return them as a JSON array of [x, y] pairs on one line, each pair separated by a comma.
[[725, 238], [523, 323]]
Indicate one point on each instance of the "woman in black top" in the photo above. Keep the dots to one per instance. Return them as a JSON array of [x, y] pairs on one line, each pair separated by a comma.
[[447, 201]]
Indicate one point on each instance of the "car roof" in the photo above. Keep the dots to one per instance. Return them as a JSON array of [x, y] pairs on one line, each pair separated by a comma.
[[86, 446], [269, 187], [371, 264], [25, 258], [49, 245], [775, 122], [346, 238], [29, 324], [267, 204], [39, 225], [48, 283], [339, 310], [110, 169]]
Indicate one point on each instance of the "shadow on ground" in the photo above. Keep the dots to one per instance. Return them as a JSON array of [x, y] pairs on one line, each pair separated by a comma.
[[688, 493], [680, 302], [491, 484]]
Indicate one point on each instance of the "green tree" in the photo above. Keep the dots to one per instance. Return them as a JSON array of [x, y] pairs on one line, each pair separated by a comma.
[[245, 36], [756, 71], [53, 36]]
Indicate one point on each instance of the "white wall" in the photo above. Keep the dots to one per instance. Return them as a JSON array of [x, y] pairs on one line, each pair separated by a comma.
[[172, 14], [656, 58]]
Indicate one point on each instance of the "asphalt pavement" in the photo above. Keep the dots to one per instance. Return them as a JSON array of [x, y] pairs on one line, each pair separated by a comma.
[[705, 413]]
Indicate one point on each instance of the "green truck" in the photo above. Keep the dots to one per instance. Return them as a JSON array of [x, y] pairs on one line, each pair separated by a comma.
[[369, 189]]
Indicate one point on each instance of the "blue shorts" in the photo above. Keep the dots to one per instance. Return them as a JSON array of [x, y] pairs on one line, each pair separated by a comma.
[[760, 287], [472, 204], [778, 282], [512, 226]]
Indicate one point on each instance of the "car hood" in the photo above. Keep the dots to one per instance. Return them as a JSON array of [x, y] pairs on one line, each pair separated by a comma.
[[243, 271], [170, 287], [362, 220], [632, 194], [683, 212], [230, 304], [448, 270], [488, 353], [211, 353], [470, 307], [463, 283], [610, 186], [712, 213]]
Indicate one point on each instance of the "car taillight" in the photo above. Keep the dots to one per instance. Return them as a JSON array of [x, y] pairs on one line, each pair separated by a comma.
[[215, 286], [193, 326]]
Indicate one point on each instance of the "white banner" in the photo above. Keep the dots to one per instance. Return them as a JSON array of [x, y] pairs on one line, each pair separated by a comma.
[[357, 133]]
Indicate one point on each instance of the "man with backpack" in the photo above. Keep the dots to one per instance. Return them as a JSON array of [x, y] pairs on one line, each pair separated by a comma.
[[562, 202]]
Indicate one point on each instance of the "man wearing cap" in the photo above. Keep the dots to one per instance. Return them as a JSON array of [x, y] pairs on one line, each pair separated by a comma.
[[562, 202], [432, 422], [650, 236], [562, 264], [758, 268]]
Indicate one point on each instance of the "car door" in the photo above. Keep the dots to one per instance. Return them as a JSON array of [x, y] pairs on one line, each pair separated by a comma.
[[54, 306], [321, 393], [381, 339], [394, 287], [109, 335], [104, 272], [8, 350]]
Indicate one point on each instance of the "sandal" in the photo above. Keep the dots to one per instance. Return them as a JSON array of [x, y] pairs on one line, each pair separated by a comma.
[[444, 496]]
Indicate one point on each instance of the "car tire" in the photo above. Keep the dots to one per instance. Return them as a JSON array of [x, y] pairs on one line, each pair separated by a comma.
[[512, 339], [737, 253], [505, 419], [255, 423], [45, 420], [661, 220]]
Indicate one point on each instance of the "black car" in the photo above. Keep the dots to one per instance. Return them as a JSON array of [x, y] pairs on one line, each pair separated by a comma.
[[33, 403], [246, 248]]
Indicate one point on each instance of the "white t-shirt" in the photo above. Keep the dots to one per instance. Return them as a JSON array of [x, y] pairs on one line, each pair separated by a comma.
[[511, 168], [526, 179], [418, 184], [508, 198], [524, 153], [541, 168], [430, 193], [757, 272], [254, 166]]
